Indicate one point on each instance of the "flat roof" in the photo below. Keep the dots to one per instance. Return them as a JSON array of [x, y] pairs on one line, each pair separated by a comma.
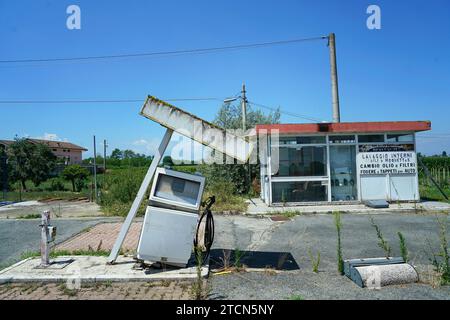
[[348, 127]]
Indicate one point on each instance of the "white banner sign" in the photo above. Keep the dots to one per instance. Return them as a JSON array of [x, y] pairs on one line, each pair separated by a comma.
[[372, 163]]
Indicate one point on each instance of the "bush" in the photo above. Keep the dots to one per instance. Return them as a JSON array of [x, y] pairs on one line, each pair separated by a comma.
[[119, 190], [75, 174], [80, 184], [55, 184], [226, 199]]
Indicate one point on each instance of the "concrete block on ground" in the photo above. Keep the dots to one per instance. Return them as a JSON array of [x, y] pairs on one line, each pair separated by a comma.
[[93, 269]]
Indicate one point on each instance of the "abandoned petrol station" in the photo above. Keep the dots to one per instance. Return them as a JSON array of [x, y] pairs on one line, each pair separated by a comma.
[[339, 162]]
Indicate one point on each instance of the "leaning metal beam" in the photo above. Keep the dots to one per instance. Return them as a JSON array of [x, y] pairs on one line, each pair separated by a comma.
[[140, 196], [197, 129]]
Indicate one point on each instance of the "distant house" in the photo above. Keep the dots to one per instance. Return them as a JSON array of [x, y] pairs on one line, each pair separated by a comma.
[[67, 152]]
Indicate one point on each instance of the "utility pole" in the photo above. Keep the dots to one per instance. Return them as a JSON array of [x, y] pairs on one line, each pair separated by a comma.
[[95, 171], [104, 155], [244, 108], [334, 78], [244, 128]]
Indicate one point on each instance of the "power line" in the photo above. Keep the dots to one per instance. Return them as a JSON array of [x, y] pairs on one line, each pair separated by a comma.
[[77, 101], [164, 53], [286, 112], [82, 101]]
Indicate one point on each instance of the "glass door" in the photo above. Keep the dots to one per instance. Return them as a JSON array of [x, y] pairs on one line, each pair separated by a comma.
[[343, 173]]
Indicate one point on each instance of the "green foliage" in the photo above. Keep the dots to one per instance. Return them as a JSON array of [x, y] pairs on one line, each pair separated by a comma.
[[229, 116], [382, 243], [122, 158], [238, 254], [75, 174], [167, 161], [236, 174], [56, 184], [315, 261], [441, 260], [436, 162], [403, 249], [338, 225], [30, 161], [30, 216], [225, 192], [199, 289], [120, 187]]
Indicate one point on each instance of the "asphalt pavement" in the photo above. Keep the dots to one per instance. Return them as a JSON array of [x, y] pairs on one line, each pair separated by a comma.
[[21, 235]]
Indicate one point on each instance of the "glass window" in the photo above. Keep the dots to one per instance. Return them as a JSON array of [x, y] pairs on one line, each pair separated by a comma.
[[342, 139], [301, 191], [177, 189], [288, 140], [371, 138], [311, 140], [302, 140], [408, 137], [302, 161]]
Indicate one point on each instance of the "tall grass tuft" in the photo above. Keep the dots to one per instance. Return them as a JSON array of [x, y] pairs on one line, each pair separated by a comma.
[[441, 260], [382, 243], [338, 224], [315, 261], [403, 249]]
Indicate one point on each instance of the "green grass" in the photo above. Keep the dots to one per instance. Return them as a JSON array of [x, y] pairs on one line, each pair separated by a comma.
[[46, 195], [290, 213], [30, 216], [118, 188], [432, 193]]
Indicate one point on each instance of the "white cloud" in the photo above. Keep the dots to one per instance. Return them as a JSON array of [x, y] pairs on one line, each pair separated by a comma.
[[146, 146], [50, 136]]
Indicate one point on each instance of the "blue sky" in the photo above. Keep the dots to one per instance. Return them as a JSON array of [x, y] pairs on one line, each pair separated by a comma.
[[401, 72]]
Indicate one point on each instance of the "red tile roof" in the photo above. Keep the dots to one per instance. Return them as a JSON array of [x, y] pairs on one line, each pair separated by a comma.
[[50, 144], [348, 127]]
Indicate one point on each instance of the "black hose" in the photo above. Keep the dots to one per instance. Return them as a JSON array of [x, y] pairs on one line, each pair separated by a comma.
[[209, 229]]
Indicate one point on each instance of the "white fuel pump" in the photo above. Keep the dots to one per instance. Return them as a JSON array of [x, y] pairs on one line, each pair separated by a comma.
[[171, 218]]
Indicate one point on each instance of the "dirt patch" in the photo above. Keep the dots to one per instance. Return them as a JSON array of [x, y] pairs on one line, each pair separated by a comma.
[[58, 209]]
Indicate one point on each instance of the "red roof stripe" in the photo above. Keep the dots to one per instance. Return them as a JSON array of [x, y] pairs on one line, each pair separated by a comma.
[[348, 127]]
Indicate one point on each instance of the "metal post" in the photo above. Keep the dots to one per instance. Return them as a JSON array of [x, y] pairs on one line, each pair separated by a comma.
[[140, 196], [95, 171], [104, 155], [334, 78], [45, 250], [244, 128]]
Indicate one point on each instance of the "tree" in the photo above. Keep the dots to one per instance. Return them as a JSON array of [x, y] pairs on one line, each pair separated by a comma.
[[30, 161], [42, 164], [444, 153], [117, 154], [129, 154], [230, 117], [167, 161], [75, 174]]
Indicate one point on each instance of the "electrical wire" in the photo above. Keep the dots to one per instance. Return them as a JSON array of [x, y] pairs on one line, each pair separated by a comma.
[[286, 112], [81, 101], [65, 101], [165, 53]]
